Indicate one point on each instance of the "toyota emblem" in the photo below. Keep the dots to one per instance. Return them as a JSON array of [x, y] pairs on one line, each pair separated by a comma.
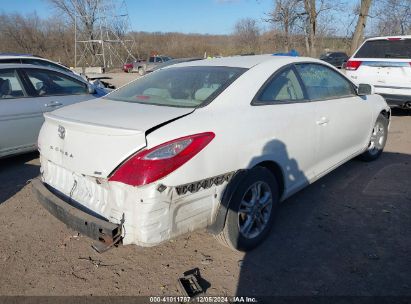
[[62, 132]]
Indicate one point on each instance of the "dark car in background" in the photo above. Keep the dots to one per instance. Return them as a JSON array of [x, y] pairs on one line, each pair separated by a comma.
[[337, 59]]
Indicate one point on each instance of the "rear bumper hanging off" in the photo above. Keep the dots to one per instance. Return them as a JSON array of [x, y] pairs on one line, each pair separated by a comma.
[[108, 234]]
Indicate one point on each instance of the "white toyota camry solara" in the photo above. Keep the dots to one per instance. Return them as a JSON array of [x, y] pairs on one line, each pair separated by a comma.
[[214, 144]]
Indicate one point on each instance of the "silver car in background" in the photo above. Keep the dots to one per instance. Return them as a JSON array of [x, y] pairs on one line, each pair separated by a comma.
[[26, 93]]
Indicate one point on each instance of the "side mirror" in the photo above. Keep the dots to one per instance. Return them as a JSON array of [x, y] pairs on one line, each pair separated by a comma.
[[91, 89], [365, 89]]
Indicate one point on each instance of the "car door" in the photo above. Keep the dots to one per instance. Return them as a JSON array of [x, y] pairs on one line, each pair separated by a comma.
[[343, 119], [21, 115], [55, 89], [285, 122]]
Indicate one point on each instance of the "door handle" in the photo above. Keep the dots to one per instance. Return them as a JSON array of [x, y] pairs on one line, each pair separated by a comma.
[[323, 121], [53, 104]]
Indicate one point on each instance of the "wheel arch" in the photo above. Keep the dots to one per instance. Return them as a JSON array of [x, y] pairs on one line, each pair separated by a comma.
[[219, 220], [275, 169]]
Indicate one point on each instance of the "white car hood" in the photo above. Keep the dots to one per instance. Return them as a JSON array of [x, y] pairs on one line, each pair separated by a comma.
[[95, 137]]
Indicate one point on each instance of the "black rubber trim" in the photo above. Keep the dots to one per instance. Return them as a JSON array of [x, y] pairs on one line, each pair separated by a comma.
[[218, 225], [73, 217]]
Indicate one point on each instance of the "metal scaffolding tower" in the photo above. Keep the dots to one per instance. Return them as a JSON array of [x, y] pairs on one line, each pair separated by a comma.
[[101, 40]]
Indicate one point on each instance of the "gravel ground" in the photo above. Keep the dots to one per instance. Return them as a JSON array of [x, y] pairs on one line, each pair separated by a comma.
[[347, 234]]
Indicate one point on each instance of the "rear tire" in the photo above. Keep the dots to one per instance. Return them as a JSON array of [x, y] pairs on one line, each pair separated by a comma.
[[251, 212], [141, 71], [377, 141]]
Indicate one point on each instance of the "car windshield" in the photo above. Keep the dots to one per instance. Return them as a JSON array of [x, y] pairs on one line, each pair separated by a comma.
[[188, 87], [400, 49]]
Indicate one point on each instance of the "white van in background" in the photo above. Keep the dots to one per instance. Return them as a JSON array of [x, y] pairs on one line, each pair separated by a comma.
[[384, 62]]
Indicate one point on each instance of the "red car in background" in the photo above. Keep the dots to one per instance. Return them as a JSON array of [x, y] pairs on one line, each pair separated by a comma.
[[128, 67]]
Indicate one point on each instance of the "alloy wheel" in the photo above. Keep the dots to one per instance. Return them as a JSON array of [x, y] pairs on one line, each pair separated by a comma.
[[255, 210], [377, 138]]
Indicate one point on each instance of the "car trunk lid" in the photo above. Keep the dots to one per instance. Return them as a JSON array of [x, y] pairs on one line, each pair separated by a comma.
[[94, 137]]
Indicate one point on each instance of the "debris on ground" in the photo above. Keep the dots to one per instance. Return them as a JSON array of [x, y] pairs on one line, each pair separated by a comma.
[[192, 284]]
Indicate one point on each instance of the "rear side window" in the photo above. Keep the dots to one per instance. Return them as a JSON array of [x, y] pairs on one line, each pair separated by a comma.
[[283, 87], [400, 49], [10, 85], [48, 83], [322, 82]]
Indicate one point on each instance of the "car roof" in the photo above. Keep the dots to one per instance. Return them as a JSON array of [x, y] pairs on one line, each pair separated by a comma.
[[389, 37], [4, 66], [28, 56], [246, 61], [14, 55]]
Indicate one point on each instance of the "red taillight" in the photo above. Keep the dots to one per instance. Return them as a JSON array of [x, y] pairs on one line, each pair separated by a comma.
[[150, 165], [353, 65]]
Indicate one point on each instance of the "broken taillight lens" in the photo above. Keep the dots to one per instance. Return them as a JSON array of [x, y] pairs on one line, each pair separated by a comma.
[[152, 164]]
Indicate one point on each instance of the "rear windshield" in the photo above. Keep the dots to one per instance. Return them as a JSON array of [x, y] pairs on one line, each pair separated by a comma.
[[188, 87], [400, 49]]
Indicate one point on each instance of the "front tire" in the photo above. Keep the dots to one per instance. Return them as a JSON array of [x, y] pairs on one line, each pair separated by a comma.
[[251, 212], [377, 141]]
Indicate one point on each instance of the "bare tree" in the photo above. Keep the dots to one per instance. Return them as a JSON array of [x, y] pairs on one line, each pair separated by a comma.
[[285, 15], [313, 9], [358, 35], [83, 12], [247, 35], [394, 17], [27, 33], [49, 38], [311, 26]]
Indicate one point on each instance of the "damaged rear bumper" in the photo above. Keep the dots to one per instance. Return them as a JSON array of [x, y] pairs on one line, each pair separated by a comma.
[[107, 233]]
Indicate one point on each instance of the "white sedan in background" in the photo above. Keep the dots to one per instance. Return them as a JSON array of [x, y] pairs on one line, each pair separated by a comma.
[[211, 144]]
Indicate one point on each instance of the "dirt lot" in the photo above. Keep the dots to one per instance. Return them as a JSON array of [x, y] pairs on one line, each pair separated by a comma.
[[347, 234]]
